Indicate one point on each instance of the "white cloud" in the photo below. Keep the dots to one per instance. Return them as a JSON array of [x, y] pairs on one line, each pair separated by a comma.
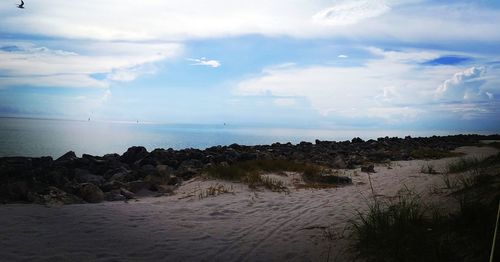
[[350, 12], [193, 19], [205, 62], [393, 86], [490, 95], [464, 85], [342, 56], [28, 64]]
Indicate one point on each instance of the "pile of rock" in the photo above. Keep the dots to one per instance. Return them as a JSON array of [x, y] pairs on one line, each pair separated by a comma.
[[70, 179]]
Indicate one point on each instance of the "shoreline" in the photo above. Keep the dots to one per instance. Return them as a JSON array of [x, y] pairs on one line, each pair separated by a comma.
[[70, 179]]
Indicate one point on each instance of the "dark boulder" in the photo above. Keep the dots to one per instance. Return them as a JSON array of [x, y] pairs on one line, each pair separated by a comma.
[[370, 168], [91, 193], [127, 194], [53, 196], [114, 195], [134, 154], [68, 157], [43, 162], [136, 186], [112, 185], [339, 162], [14, 191], [84, 176]]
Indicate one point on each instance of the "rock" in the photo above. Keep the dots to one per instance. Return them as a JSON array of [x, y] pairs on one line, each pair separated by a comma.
[[165, 189], [368, 168], [161, 176], [15, 191], [112, 185], [120, 176], [53, 196], [164, 170], [189, 169], [335, 180], [84, 176], [45, 161], [136, 186], [148, 170], [339, 162], [69, 156], [357, 140], [247, 156], [134, 154], [114, 195], [91, 193], [127, 194]]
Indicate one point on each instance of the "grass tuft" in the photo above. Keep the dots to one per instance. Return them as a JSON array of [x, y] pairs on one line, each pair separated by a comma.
[[471, 163], [410, 230], [431, 153], [428, 169], [274, 185], [249, 172], [396, 231], [215, 190]]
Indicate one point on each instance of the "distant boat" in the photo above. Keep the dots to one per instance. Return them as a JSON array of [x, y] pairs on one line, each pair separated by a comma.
[[21, 5], [89, 119]]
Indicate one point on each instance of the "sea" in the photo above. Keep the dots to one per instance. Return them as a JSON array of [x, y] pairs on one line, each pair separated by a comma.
[[51, 137]]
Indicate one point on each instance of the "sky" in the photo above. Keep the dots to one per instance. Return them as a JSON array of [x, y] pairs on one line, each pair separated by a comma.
[[386, 64]]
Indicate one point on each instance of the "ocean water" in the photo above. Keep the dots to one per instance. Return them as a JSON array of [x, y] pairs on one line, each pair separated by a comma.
[[42, 137]]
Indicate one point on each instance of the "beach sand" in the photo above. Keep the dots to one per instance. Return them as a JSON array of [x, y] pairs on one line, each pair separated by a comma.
[[244, 225]]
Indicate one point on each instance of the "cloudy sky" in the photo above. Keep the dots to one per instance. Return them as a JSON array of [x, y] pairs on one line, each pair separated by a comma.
[[290, 63]]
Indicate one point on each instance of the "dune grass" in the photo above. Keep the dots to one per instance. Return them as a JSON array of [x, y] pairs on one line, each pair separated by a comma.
[[410, 230], [215, 190], [428, 169], [431, 153], [399, 231], [239, 170], [471, 163], [249, 172]]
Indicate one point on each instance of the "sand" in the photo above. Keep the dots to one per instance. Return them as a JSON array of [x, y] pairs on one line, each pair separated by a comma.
[[242, 225]]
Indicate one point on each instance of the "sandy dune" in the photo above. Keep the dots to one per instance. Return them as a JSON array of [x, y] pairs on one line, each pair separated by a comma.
[[244, 225]]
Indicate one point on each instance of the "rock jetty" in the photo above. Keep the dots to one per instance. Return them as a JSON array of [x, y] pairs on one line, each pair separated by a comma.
[[113, 177]]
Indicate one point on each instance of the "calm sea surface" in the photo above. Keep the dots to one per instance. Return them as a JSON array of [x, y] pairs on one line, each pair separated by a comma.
[[37, 137]]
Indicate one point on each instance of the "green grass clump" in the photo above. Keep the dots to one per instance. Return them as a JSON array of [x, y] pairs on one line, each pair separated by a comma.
[[215, 190], [464, 164], [249, 172], [471, 163], [274, 185], [240, 170], [410, 230], [495, 145], [430, 153], [398, 231]]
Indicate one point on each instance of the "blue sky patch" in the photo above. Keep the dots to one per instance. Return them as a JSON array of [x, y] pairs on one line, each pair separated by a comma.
[[448, 60]]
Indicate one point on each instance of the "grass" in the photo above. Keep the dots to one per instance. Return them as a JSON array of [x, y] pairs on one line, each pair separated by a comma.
[[274, 185], [410, 230], [249, 172], [449, 184], [495, 145], [464, 164], [428, 169], [215, 190], [431, 153], [398, 231], [238, 171]]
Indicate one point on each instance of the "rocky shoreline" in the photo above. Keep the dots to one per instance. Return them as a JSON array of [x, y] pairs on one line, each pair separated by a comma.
[[113, 177]]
